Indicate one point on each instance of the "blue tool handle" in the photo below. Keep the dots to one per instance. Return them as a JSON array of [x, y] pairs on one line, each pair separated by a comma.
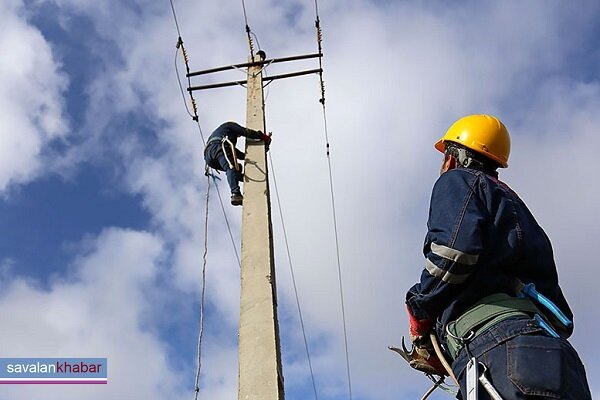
[[529, 289], [544, 325]]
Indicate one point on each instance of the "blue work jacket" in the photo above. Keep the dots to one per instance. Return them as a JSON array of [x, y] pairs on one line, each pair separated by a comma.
[[481, 236], [232, 131]]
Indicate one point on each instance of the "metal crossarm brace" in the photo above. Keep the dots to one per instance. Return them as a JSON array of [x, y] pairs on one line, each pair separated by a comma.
[[258, 65], [255, 63], [265, 79]]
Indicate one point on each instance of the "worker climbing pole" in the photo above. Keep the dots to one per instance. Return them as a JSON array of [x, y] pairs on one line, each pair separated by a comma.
[[260, 372]]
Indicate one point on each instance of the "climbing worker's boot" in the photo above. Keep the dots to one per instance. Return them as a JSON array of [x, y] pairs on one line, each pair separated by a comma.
[[237, 199]]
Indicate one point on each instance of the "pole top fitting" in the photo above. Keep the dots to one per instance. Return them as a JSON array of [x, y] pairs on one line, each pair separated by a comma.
[[262, 55]]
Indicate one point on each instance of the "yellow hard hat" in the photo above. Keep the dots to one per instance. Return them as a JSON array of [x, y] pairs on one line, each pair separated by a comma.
[[484, 134]]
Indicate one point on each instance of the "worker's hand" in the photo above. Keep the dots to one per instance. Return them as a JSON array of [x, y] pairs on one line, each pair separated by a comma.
[[423, 356], [266, 137]]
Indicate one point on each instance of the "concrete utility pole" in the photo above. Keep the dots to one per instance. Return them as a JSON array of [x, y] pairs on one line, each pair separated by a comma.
[[260, 375], [260, 372]]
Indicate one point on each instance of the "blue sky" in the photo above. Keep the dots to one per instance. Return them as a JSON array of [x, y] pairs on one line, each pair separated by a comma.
[[102, 187]]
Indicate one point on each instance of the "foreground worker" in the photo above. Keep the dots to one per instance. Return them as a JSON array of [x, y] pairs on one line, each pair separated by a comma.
[[490, 288], [221, 154]]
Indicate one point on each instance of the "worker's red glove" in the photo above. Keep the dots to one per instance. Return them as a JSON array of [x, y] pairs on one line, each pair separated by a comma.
[[422, 356], [266, 138], [419, 328]]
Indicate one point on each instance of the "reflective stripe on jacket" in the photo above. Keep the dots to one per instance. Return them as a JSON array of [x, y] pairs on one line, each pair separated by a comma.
[[481, 236]]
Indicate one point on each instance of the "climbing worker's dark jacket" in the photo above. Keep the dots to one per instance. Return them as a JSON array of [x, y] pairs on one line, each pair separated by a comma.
[[232, 131], [481, 239]]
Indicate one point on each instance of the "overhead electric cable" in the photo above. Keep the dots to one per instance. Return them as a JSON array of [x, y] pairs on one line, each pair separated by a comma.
[[237, 257], [201, 329], [195, 117], [287, 247], [175, 18], [180, 45], [248, 31], [245, 14], [335, 229], [181, 87], [197, 120]]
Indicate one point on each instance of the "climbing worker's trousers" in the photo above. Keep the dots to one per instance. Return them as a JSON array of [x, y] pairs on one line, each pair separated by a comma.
[[524, 362], [215, 158]]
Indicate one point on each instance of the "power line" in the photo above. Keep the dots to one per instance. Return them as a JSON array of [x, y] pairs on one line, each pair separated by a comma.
[[248, 31], [333, 209], [245, 14], [201, 331], [227, 223], [195, 117], [287, 247], [181, 86], [197, 120], [175, 18], [337, 252]]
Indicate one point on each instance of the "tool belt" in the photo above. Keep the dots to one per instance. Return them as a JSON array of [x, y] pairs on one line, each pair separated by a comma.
[[484, 314]]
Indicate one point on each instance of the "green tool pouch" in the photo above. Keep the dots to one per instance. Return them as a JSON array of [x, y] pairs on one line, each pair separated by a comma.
[[484, 314]]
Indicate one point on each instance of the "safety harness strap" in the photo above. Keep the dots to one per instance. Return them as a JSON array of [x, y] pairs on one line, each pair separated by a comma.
[[484, 314], [233, 164]]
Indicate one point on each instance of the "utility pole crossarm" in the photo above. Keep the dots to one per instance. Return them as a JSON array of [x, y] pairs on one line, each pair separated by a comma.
[[256, 65], [265, 79]]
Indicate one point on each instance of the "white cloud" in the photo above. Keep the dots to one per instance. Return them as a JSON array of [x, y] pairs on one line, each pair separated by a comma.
[[100, 309], [554, 157], [31, 104]]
